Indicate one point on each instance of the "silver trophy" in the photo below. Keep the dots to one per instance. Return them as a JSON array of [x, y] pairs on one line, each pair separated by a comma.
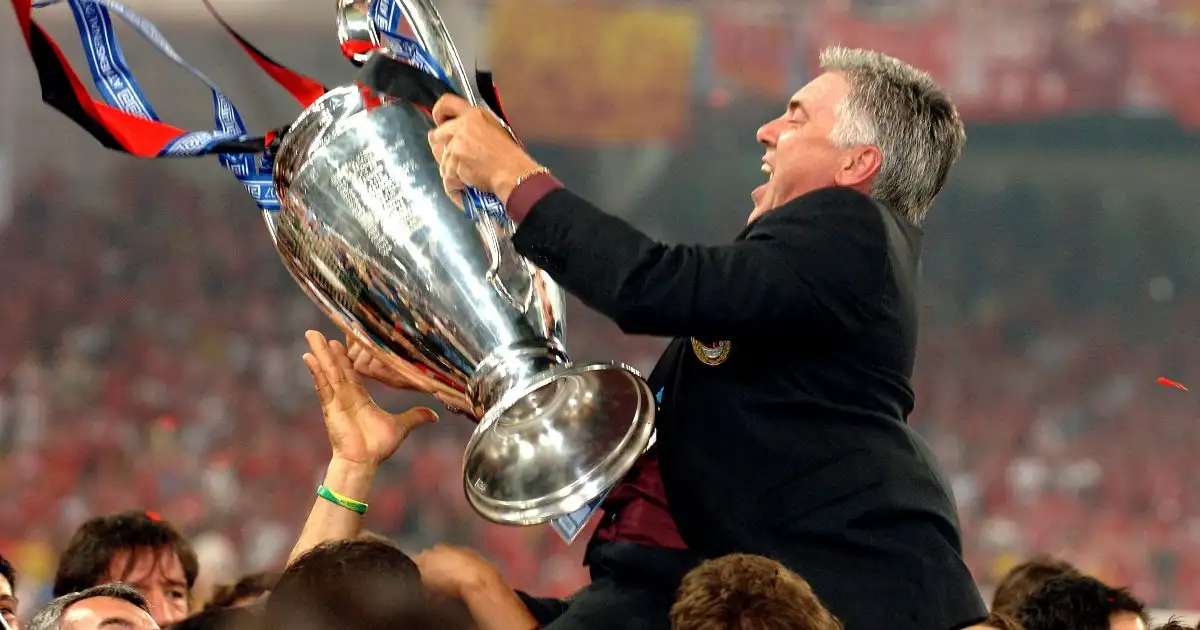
[[369, 233]]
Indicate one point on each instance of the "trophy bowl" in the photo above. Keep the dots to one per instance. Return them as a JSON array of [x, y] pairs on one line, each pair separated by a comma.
[[367, 230]]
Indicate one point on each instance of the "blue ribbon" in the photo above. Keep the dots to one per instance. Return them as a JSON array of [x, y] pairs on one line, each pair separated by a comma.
[[118, 88]]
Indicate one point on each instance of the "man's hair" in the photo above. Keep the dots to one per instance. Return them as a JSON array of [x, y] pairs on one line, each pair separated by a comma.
[[1077, 602], [898, 108], [1001, 621], [50, 616], [1174, 623], [8, 572], [748, 593], [364, 584], [1025, 578], [252, 585], [85, 562]]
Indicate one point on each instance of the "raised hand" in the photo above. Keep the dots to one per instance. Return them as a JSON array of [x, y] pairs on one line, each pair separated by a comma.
[[406, 376], [359, 431]]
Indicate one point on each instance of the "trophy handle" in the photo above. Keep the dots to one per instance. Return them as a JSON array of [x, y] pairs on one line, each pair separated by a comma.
[[357, 35], [508, 272]]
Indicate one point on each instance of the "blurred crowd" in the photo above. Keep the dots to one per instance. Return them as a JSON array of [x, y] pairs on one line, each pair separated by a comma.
[[1049, 324]]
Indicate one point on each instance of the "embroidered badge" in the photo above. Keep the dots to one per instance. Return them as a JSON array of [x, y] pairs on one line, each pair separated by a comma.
[[713, 353]]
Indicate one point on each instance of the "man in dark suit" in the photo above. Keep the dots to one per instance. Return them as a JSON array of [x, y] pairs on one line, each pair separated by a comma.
[[784, 396]]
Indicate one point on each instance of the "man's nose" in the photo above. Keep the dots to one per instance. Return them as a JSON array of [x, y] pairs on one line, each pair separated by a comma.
[[767, 134]]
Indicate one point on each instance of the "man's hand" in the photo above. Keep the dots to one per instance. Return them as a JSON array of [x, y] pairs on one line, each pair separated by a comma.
[[464, 575], [367, 364], [473, 149], [455, 571], [359, 431]]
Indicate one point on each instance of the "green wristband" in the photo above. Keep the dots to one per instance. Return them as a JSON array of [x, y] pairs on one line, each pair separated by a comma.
[[337, 499]]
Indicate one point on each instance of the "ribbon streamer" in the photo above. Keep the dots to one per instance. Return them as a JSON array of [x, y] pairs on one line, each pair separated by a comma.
[[125, 121]]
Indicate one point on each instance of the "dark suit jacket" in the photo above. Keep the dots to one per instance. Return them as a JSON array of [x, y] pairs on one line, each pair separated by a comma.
[[795, 447]]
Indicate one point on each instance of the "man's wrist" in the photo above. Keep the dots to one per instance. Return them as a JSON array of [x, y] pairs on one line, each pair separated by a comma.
[[483, 583], [350, 477], [507, 179]]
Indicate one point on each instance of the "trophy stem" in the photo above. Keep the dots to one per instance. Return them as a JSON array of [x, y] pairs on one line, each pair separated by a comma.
[[508, 366]]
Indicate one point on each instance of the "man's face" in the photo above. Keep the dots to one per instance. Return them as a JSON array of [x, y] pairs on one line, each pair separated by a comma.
[[8, 603], [1126, 621], [105, 613], [159, 576], [799, 155]]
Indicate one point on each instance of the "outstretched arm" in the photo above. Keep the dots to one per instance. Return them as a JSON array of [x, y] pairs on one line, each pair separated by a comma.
[[362, 437], [811, 267]]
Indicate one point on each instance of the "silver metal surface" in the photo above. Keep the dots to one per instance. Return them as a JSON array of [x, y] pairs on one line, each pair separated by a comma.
[[369, 233], [354, 26], [434, 38]]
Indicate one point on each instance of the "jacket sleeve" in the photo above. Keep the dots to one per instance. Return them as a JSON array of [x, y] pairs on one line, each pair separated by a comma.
[[815, 265]]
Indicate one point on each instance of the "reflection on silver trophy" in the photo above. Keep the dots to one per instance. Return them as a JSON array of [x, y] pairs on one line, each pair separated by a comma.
[[369, 233]]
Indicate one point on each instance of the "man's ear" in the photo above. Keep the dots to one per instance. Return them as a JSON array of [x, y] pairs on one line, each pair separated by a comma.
[[859, 166]]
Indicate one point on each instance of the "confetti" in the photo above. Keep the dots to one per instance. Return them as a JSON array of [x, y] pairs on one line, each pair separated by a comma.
[[154, 516], [1162, 380]]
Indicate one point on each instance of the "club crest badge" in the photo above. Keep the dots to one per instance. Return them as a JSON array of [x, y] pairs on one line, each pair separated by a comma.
[[713, 353]]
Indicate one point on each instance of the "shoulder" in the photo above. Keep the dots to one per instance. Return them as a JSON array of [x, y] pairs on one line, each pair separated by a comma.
[[831, 221], [836, 211]]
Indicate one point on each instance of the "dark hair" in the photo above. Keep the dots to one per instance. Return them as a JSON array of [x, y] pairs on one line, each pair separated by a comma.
[[86, 560], [252, 585], [1001, 621], [1025, 578], [8, 572], [1174, 623], [1077, 602], [364, 584], [50, 616], [750, 593], [217, 619]]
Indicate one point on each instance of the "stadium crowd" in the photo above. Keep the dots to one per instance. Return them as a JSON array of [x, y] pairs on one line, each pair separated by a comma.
[[150, 361]]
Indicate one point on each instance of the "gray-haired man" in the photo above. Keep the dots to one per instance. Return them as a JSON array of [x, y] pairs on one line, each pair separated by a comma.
[[108, 606], [782, 425]]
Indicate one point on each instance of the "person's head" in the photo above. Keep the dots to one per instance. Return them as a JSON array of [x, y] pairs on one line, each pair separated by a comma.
[[749, 593], [1080, 602], [1025, 578], [365, 584], [8, 593], [104, 607], [136, 548], [1174, 623], [246, 591], [868, 122]]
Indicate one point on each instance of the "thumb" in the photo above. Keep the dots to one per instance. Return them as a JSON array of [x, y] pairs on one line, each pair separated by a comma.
[[414, 418], [449, 107]]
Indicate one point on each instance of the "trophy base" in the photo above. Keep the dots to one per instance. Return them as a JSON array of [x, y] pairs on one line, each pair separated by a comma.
[[556, 441]]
